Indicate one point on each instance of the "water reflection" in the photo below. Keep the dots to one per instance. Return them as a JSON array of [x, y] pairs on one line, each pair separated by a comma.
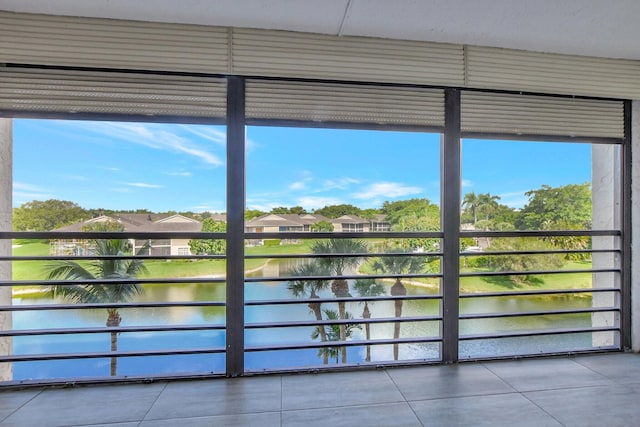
[[274, 290]]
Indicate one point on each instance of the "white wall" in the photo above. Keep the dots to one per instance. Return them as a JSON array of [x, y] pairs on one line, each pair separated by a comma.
[[6, 177], [635, 229]]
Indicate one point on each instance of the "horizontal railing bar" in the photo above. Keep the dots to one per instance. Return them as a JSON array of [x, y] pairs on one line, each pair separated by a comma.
[[540, 292], [345, 277], [359, 343], [100, 355], [110, 235], [108, 257], [532, 272], [345, 299], [158, 281], [102, 330], [39, 307], [541, 252], [530, 333], [303, 235], [539, 233], [358, 321], [537, 313], [200, 235], [347, 255], [301, 255]]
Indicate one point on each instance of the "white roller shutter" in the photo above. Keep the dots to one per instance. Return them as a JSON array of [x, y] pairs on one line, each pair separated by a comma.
[[62, 91], [110, 43], [493, 68], [289, 54], [540, 115], [322, 102]]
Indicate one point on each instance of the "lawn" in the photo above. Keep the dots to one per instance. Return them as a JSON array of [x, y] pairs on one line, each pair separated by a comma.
[[34, 270]]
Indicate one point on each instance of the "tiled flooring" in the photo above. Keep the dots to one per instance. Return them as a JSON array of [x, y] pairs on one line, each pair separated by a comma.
[[595, 390]]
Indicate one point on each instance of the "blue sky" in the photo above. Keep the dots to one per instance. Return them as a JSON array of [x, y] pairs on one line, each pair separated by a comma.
[[183, 167]]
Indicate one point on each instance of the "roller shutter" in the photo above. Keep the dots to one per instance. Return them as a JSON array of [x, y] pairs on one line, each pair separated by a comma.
[[322, 102]]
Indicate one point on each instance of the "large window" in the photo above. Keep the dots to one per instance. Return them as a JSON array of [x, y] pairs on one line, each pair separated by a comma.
[[539, 284], [326, 224], [341, 181], [128, 179]]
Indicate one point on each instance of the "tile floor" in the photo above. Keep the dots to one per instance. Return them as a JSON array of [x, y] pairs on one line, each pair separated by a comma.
[[594, 390]]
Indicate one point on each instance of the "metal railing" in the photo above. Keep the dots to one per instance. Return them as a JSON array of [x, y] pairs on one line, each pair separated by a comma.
[[283, 342]]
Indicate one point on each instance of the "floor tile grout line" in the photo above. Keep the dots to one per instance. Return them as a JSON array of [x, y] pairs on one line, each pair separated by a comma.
[[198, 417], [22, 406], [507, 383], [540, 407], [166, 384], [403, 396]]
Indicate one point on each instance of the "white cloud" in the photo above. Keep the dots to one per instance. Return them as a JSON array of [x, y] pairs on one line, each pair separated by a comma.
[[339, 183], [180, 173], [388, 190], [26, 187], [297, 185], [209, 133], [143, 185], [158, 137], [467, 183], [113, 169]]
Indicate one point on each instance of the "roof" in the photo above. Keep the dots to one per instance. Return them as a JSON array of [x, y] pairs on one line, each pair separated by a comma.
[[142, 223], [285, 220]]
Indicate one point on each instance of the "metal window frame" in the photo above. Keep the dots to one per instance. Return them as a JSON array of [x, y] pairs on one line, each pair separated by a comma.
[[450, 234]]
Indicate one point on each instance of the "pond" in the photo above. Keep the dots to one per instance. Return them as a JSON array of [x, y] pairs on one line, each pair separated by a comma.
[[265, 360]]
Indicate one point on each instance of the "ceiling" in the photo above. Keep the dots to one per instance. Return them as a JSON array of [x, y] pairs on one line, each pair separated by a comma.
[[606, 28]]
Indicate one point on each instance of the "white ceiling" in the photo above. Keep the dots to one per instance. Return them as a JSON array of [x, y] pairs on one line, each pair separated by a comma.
[[607, 28]]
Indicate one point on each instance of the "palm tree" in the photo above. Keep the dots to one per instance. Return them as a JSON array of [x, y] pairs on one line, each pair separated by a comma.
[[303, 287], [471, 201], [334, 334], [399, 265], [106, 269], [337, 266], [488, 203], [368, 288]]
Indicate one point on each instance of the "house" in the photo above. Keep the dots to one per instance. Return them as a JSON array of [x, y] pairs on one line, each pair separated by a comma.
[[153, 223]]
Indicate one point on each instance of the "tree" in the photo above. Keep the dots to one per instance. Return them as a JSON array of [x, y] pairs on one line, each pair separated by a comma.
[[413, 215], [470, 202], [488, 204], [368, 288], [211, 246], [523, 263], [336, 211], [337, 266], [298, 210], [334, 334], [310, 287], [569, 204], [86, 292], [47, 215], [249, 214], [399, 265], [321, 226]]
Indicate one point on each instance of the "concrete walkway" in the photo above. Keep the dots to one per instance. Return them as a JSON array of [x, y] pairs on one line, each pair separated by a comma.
[[595, 390]]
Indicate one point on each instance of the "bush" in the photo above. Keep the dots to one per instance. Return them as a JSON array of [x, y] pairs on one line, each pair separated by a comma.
[[272, 242]]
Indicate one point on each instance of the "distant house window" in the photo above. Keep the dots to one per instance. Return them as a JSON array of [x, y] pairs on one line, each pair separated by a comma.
[[380, 226], [353, 228]]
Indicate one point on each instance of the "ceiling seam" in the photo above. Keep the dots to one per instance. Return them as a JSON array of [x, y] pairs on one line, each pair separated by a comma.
[[344, 17]]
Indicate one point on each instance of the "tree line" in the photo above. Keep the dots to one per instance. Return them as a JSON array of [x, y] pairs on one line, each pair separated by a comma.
[[548, 208]]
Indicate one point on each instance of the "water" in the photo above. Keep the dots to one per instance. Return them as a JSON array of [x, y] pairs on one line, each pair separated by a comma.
[[257, 361]]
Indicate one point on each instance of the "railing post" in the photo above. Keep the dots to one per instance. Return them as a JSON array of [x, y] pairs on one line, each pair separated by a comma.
[[235, 225], [450, 195]]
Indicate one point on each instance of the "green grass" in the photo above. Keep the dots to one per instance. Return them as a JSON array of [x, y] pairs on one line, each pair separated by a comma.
[[34, 270]]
